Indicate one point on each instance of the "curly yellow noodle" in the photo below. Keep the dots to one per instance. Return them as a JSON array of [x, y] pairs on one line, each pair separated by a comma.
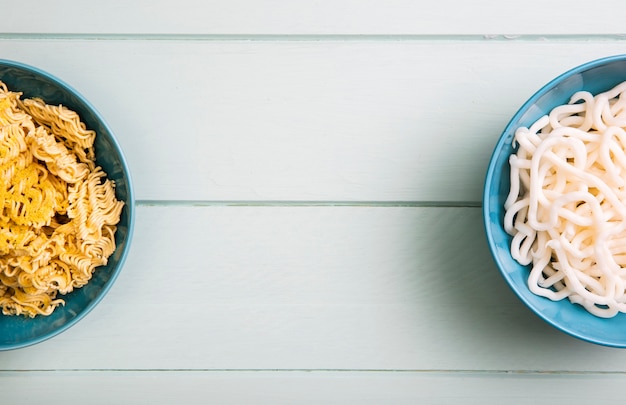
[[64, 124], [59, 160], [93, 204], [58, 214]]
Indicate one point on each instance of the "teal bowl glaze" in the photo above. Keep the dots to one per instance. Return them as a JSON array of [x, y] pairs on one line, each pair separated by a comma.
[[595, 76], [19, 331]]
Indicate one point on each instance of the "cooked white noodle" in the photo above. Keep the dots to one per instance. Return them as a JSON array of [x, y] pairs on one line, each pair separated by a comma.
[[566, 208]]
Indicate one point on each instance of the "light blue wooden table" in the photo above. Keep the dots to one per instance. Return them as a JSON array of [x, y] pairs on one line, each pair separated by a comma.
[[309, 177]]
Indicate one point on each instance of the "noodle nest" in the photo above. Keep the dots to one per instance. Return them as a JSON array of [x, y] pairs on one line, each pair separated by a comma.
[[566, 208], [59, 211]]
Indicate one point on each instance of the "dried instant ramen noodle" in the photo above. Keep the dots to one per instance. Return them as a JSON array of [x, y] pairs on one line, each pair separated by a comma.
[[59, 211]]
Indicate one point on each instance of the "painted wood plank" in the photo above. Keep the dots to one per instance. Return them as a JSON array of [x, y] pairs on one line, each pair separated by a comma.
[[330, 120], [322, 17], [373, 288], [328, 387]]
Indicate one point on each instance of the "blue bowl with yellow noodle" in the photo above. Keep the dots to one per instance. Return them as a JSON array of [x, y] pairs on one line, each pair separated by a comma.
[[18, 330], [597, 76]]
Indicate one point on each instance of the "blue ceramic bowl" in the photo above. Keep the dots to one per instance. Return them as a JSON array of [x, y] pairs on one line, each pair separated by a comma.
[[596, 76], [19, 331]]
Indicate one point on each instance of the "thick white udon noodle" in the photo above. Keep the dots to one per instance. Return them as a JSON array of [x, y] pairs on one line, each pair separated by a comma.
[[566, 209]]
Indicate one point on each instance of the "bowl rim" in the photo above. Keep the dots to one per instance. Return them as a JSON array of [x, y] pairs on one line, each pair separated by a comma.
[[487, 190], [129, 203]]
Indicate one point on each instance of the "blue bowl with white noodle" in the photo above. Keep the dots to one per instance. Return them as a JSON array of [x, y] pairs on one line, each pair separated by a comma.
[[107, 245], [554, 202]]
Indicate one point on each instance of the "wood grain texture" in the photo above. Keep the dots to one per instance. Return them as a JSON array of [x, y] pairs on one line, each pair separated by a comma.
[[328, 387], [308, 175], [356, 288], [312, 121], [322, 17]]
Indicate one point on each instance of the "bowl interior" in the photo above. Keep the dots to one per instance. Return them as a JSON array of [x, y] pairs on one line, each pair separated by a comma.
[[595, 77], [18, 331]]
